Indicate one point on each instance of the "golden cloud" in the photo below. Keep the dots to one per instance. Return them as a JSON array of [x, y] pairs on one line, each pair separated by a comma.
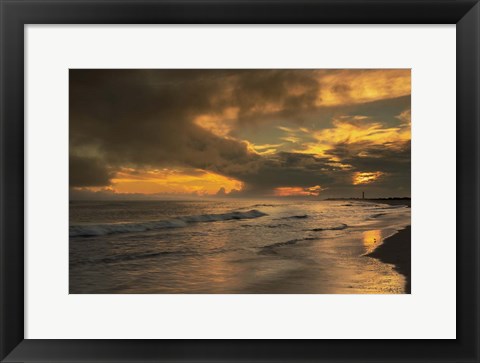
[[352, 86], [263, 149], [357, 129], [366, 177], [172, 181], [220, 123]]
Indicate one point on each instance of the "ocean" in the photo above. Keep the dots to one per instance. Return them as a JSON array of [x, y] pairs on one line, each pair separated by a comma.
[[232, 247]]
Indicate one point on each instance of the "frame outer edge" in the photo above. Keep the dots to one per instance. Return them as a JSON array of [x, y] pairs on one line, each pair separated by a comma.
[[3, 328], [11, 152], [468, 179], [11, 179]]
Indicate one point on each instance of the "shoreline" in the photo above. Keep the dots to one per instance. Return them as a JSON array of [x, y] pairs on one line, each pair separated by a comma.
[[396, 250]]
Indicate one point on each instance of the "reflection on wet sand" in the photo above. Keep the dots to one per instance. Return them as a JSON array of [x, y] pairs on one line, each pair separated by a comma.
[[371, 239]]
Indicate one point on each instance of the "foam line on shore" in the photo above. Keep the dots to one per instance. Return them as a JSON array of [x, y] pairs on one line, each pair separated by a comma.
[[112, 228]]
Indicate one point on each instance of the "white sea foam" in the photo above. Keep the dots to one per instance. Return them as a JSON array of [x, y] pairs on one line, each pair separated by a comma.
[[111, 228]]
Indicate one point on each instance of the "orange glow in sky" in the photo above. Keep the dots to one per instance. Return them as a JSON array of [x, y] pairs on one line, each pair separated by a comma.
[[297, 191], [172, 181]]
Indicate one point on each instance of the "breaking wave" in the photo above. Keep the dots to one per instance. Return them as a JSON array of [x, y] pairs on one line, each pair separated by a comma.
[[113, 228]]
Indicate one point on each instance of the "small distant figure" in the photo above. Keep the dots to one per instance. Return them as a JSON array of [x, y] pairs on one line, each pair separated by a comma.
[[363, 195]]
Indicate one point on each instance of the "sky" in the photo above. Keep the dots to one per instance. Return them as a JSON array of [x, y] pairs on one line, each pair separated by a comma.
[[268, 133]]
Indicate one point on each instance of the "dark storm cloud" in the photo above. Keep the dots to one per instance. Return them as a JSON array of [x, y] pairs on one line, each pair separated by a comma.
[[144, 117], [290, 90], [393, 162], [288, 170], [366, 157], [87, 172], [137, 118]]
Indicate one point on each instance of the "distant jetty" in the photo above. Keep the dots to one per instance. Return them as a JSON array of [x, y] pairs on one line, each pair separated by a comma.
[[371, 199], [392, 201]]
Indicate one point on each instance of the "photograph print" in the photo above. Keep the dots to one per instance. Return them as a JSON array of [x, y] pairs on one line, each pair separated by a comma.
[[239, 181]]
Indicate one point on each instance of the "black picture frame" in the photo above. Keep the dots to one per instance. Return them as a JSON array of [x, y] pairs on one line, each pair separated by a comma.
[[15, 14]]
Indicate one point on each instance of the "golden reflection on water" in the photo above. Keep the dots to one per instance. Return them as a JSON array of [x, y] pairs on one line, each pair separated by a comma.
[[371, 239]]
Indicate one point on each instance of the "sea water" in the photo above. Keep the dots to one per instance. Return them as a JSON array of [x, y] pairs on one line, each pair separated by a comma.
[[236, 246]]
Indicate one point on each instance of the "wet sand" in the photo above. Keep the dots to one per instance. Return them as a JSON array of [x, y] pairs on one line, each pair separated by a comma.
[[396, 250]]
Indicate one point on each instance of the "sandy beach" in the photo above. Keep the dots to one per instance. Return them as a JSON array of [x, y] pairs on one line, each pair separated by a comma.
[[397, 249]]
